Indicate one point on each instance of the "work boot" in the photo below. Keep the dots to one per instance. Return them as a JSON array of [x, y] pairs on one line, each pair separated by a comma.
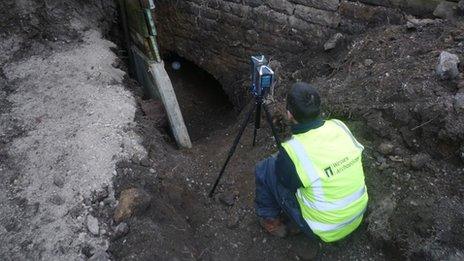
[[273, 226], [293, 229]]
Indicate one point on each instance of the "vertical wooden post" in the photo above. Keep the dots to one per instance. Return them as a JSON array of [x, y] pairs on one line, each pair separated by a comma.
[[140, 34], [168, 97]]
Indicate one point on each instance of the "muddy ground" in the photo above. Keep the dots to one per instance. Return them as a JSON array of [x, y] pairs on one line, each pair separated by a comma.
[[415, 210], [382, 84]]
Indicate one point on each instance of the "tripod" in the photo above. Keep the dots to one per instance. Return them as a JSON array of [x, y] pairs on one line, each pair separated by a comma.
[[258, 105]]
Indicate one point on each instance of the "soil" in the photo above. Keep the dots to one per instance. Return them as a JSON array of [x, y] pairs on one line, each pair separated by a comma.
[[64, 124], [204, 105], [415, 210], [416, 194]]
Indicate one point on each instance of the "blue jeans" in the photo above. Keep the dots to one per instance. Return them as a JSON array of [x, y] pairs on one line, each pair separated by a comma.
[[272, 198]]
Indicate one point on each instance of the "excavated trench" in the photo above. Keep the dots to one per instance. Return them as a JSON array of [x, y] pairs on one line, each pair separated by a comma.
[[416, 196], [204, 105], [183, 223]]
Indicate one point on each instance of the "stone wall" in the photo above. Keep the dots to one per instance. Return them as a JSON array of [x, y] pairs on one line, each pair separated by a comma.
[[220, 35]]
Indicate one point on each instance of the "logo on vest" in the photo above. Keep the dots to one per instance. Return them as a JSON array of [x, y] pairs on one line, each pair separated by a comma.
[[328, 171], [341, 165]]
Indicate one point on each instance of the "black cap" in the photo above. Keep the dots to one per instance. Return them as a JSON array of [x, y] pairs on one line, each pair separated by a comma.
[[304, 102]]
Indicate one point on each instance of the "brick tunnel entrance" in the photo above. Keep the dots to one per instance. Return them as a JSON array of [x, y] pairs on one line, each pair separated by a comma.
[[203, 102]]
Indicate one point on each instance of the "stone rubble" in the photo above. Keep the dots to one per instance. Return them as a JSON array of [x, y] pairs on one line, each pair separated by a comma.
[[131, 201], [92, 225], [334, 41], [447, 67]]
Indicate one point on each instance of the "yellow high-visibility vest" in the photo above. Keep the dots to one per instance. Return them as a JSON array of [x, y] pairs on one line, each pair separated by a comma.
[[334, 197]]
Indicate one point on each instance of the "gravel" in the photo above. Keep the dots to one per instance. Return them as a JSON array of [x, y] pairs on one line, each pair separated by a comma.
[[92, 225], [74, 115]]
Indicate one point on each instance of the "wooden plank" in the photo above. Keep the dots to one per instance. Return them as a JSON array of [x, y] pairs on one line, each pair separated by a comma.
[[151, 74], [142, 64], [155, 80], [169, 99]]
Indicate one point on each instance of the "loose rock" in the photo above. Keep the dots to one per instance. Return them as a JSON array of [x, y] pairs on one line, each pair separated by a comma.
[[461, 153], [447, 68], [410, 25], [76, 211], [100, 255], [87, 250], [31, 210], [459, 102], [58, 180], [227, 199], [414, 22], [131, 201], [445, 10], [233, 220], [92, 225], [368, 62], [11, 225], [145, 162], [101, 194], [384, 166], [57, 200], [334, 41], [461, 85], [386, 148], [418, 161], [461, 7], [121, 230]]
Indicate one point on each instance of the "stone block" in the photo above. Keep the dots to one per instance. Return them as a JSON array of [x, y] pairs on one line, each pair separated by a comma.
[[282, 6], [370, 14], [330, 5], [267, 18], [416, 7], [446, 10], [317, 16]]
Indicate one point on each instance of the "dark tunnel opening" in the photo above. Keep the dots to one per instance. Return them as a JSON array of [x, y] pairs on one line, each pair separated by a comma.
[[204, 104]]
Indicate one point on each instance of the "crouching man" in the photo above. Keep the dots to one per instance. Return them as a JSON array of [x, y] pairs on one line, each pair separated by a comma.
[[317, 179]]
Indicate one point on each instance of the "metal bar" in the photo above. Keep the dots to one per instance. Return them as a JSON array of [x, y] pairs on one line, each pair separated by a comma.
[[150, 22], [274, 130], [257, 119]]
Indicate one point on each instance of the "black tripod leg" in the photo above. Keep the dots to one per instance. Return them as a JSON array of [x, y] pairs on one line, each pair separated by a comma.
[[232, 150], [274, 130], [257, 121]]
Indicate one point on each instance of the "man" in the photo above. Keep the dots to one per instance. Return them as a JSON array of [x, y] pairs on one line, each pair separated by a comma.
[[317, 178]]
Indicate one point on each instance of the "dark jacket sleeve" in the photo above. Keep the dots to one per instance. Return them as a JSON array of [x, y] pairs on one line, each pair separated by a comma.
[[286, 172]]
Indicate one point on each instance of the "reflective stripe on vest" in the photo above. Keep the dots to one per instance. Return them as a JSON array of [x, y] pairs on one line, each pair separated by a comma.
[[310, 171], [320, 203], [331, 227], [348, 132], [339, 204], [316, 184]]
